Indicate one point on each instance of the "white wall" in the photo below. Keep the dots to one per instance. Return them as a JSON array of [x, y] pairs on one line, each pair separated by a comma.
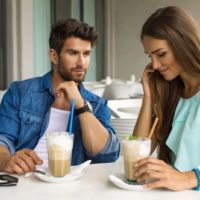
[[19, 40], [127, 54], [124, 52]]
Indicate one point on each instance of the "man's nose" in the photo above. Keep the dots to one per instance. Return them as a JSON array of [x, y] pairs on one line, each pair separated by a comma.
[[81, 59]]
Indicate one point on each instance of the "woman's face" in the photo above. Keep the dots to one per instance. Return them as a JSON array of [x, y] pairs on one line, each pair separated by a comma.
[[162, 57]]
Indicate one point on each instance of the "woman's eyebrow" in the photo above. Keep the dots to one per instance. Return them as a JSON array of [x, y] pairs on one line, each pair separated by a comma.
[[155, 51]]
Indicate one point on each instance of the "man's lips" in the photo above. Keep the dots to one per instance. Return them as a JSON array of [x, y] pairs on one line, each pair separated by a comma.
[[79, 71]]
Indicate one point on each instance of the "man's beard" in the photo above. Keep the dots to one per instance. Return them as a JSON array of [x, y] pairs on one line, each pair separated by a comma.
[[67, 75]]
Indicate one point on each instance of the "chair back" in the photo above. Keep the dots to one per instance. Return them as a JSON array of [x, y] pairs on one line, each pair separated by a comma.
[[125, 108], [123, 127], [1, 94]]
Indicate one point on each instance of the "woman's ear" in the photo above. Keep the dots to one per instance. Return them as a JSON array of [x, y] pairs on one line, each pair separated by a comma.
[[53, 56]]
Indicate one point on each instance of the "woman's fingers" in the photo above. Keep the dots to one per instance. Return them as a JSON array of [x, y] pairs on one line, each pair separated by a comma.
[[150, 168], [150, 175], [157, 174], [149, 159]]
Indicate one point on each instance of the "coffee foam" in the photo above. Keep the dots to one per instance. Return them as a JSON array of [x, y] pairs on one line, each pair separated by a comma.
[[141, 148], [65, 141]]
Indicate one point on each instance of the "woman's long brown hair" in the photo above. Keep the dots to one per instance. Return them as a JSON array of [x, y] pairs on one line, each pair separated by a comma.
[[165, 97], [178, 28]]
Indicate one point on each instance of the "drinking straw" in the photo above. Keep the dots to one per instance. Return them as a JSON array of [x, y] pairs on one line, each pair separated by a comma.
[[71, 116], [153, 127]]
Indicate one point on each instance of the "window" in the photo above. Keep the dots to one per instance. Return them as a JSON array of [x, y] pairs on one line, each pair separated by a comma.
[[91, 12], [2, 44]]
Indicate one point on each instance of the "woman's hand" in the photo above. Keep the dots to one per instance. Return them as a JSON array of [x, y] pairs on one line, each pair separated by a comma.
[[145, 80], [163, 175]]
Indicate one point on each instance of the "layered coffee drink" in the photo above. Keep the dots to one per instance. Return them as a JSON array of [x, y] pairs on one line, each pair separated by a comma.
[[59, 147], [59, 160], [134, 150]]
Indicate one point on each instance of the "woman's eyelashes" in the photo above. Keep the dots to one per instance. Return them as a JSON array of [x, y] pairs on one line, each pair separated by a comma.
[[162, 54]]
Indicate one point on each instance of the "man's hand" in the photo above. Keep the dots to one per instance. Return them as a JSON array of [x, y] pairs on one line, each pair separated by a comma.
[[70, 91], [23, 161]]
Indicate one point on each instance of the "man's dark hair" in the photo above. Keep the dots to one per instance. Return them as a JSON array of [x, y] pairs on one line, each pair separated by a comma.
[[64, 29]]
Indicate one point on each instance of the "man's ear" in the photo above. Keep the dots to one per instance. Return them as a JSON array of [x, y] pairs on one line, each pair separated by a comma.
[[53, 56]]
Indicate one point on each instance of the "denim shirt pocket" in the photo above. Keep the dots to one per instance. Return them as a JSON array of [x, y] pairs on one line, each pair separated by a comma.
[[30, 118], [30, 127]]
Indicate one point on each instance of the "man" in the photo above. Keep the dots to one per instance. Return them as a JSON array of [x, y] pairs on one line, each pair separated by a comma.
[[33, 107]]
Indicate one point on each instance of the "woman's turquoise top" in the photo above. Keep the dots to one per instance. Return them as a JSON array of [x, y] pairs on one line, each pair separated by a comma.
[[184, 139]]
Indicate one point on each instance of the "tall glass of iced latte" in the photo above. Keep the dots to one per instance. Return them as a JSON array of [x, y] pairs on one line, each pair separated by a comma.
[[59, 147], [134, 150]]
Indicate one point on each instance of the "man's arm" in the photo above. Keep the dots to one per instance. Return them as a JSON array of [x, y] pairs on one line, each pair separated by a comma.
[[24, 160], [4, 157], [21, 162], [95, 135], [98, 136]]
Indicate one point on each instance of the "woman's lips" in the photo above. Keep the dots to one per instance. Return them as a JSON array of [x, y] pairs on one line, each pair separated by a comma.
[[163, 71]]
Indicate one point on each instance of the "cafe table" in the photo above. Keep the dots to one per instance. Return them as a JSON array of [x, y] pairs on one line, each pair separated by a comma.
[[94, 184]]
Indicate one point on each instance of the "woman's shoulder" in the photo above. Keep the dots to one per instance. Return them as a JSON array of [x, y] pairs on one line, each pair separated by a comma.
[[187, 108], [193, 101]]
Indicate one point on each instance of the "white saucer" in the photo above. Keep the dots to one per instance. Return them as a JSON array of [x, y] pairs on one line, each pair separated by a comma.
[[75, 173], [120, 182]]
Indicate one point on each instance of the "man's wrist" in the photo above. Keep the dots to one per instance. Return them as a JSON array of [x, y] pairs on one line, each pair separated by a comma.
[[83, 109], [4, 158], [79, 105]]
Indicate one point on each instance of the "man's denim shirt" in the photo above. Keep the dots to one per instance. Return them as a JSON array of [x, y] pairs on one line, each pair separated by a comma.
[[24, 117]]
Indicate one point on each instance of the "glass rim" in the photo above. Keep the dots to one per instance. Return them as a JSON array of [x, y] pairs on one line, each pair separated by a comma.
[[138, 139]]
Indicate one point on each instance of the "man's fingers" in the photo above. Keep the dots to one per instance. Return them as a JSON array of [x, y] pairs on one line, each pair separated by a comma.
[[22, 164], [28, 161], [36, 159], [13, 167], [17, 169], [23, 161]]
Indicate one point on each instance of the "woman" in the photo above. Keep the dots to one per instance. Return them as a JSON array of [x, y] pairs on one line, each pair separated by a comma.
[[171, 84]]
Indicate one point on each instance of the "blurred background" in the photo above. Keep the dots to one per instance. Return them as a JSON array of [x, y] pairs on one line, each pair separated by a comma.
[[25, 26], [117, 61]]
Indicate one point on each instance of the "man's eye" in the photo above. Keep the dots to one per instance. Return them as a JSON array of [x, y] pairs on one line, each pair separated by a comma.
[[72, 52], [86, 54]]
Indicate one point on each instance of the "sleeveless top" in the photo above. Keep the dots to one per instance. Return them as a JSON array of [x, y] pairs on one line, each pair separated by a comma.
[[184, 139]]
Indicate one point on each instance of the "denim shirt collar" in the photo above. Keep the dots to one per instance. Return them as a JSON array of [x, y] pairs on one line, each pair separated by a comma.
[[82, 90], [46, 83]]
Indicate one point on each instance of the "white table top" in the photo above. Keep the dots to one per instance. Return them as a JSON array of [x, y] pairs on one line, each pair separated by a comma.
[[94, 184]]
